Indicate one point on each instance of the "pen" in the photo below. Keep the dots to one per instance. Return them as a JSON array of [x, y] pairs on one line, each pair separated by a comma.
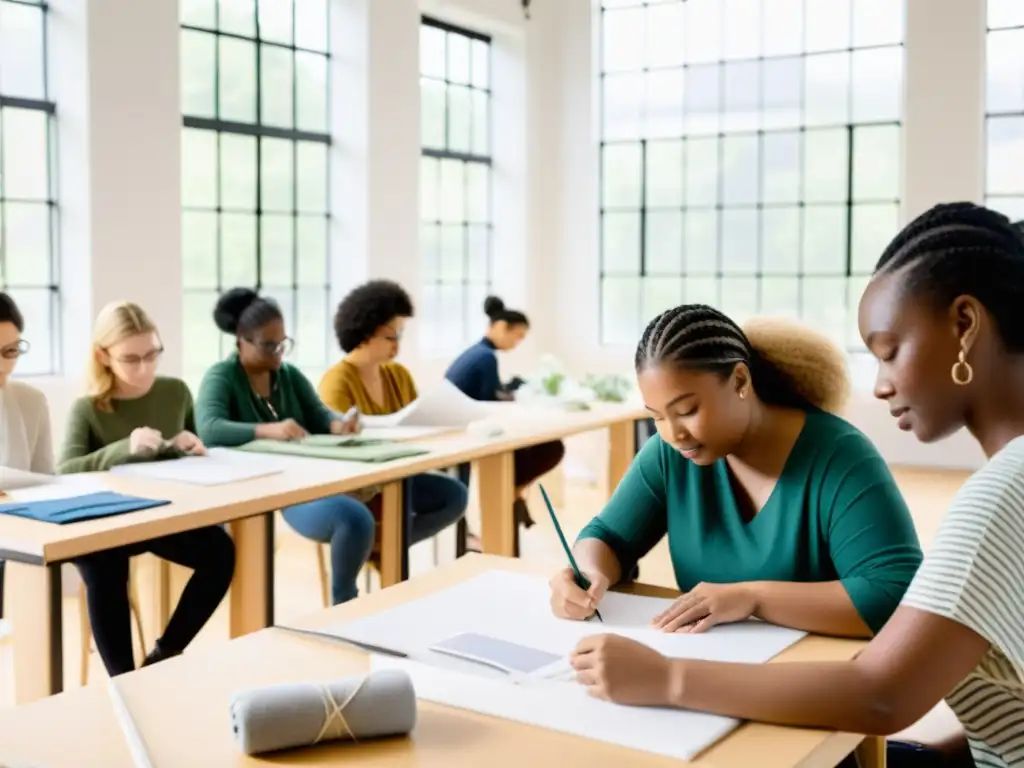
[[581, 580]]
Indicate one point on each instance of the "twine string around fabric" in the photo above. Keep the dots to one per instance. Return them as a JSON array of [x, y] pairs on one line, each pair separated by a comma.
[[335, 712]]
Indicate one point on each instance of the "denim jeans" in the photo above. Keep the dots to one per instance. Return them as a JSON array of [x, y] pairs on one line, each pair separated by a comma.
[[348, 526], [437, 501]]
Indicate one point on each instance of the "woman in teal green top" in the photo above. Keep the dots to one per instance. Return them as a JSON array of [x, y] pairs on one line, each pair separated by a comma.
[[773, 507], [254, 394]]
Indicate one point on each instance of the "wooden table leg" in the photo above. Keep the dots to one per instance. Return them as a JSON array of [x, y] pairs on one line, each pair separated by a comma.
[[34, 609], [621, 451], [392, 538], [497, 483], [252, 588], [156, 602], [871, 752]]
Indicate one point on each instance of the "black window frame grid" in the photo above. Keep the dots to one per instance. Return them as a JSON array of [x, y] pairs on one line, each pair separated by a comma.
[[47, 107], [849, 204], [260, 131], [466, 160], [993, 199]]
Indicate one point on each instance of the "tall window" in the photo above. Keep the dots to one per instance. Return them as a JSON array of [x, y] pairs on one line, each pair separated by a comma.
[[455, 183], [749, 157], [1004, 178], [28, 263], [255, 162]]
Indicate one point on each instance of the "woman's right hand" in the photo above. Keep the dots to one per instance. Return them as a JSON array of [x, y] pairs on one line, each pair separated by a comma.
[[144, 440], [569, 601], [288, 429]]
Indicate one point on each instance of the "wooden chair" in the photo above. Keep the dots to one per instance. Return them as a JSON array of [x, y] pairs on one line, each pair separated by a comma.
[[86, 628]]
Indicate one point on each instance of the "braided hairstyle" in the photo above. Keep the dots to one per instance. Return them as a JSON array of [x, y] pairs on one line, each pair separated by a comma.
[[957, 249], [790, 364]]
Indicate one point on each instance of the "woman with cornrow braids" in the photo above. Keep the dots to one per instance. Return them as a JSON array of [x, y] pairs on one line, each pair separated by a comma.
[[773, 506], [942, 314]]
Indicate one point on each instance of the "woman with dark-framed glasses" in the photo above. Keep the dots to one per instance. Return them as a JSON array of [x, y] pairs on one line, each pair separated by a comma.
[[26, 442], [255, 394]]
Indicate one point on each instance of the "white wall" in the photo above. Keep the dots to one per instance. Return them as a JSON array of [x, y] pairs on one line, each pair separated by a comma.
[[115, 71]]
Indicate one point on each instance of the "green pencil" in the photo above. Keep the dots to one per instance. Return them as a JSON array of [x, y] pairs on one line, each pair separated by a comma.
[[582, 581]]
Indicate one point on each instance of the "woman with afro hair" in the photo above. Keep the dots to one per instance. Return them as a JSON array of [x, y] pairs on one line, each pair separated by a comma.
[[368, 325]]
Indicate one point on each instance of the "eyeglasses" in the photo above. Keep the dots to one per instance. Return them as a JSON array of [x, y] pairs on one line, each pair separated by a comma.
[[15, 350], [273, 348], [133, 361]]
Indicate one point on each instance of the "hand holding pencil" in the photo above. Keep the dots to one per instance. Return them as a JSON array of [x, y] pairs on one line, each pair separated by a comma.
[[570, 601]]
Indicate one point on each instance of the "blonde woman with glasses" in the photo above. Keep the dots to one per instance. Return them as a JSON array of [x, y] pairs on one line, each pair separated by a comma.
[[129, 415]]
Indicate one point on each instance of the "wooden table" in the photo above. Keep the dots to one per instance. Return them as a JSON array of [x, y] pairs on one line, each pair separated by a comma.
[[35, 550], [181, 710]]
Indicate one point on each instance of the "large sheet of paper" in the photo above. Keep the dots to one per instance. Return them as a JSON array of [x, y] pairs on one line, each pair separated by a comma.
[[442, 405], [219, 467], [514, 608], [60, 487], [13, 479]]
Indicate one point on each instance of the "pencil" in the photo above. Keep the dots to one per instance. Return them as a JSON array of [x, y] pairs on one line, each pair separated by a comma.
[[581, 580]]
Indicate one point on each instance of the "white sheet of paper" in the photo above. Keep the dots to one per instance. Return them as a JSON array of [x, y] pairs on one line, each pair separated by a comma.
[[13, 479], [442, 405], [514, 607], [219, 467], [566, 707], [61, 487]]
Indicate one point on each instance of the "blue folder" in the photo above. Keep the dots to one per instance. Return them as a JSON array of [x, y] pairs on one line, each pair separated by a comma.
[[78, 508]]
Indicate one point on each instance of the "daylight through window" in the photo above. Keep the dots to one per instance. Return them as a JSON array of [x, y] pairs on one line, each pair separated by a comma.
[[255, 199], [750, 157]]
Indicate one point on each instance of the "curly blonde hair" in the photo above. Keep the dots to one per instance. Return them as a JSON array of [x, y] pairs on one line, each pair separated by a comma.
[[813, 366], [790, 363]]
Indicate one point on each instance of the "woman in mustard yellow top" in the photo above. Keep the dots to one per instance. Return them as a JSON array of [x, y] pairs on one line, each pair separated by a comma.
[[369, 324]]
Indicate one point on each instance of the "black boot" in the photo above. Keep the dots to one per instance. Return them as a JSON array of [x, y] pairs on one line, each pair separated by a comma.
[[522, 513], [159, 654]]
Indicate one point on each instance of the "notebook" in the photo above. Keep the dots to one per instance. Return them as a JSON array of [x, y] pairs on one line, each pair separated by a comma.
[[74, 509], [370, 452]]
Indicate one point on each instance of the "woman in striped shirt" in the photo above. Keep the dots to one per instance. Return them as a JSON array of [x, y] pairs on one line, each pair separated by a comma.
[[943, 316]]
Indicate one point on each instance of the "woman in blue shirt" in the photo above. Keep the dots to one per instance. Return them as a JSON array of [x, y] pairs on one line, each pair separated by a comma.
[[475, 372]]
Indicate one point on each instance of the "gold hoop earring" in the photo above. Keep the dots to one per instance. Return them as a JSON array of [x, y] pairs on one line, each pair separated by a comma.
[[962, 372]]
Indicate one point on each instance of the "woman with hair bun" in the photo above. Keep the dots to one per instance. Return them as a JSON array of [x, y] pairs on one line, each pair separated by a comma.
[[475, 373], [255, 394], [773, 506]]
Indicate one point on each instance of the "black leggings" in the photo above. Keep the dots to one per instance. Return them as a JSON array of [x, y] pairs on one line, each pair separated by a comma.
[[209, 552]]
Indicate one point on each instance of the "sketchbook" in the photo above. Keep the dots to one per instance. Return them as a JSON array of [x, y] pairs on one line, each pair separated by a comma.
[[498, 609], [218, 467]]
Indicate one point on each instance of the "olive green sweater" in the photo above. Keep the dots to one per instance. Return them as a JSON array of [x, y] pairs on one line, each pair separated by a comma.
[[98, 440]]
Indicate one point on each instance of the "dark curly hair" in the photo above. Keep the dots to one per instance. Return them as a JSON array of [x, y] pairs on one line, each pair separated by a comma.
[[9, 312], [242, 312], [366, 309], [955, 249]]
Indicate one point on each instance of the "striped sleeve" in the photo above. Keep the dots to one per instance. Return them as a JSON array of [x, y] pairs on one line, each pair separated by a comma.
[[974, 572]]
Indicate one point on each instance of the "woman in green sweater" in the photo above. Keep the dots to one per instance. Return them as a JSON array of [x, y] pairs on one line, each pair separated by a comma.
[[773, 507], [254, 394], [129, 415]]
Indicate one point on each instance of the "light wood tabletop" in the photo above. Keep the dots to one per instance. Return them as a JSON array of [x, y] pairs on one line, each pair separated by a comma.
[[181, 709], [34, 592]]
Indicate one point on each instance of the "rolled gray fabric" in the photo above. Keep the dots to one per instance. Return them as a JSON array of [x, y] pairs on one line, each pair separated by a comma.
[[273, 717]]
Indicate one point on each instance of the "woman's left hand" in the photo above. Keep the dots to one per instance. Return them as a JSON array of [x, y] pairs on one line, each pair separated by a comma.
[[622, 670], [706, 605], [188, 443]]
